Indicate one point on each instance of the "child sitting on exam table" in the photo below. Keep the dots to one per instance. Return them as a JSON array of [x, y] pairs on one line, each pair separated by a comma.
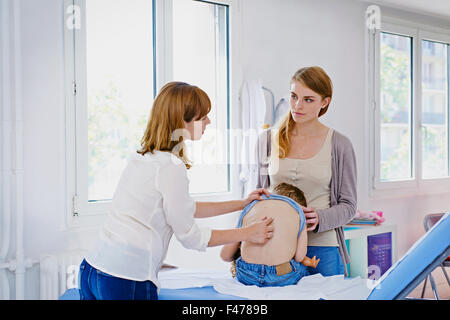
[[281, 260]]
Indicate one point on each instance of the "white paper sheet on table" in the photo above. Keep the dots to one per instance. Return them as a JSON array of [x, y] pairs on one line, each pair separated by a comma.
[[191, 278], [312, 287]]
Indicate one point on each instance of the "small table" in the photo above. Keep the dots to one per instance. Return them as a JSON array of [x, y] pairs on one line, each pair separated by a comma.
[[357, 238]]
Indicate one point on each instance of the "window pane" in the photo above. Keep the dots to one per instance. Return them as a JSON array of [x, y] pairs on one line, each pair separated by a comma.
[[119, 87], [395, 107], [434, 110], [201, 58]]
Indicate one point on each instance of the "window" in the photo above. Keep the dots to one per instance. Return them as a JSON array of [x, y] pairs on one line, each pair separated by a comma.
[[118, 85], [410, 91], [200, 57], [395, 107], [435, 160], [114, 67]]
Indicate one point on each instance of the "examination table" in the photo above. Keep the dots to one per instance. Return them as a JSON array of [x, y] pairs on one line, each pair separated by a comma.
[[396, 283]]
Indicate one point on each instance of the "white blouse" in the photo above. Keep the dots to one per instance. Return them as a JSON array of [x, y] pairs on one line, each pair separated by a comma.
[[151, 202]]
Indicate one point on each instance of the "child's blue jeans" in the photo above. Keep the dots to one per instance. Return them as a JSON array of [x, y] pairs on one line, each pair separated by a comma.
[[266, 276], [97, 285], [330, 263]]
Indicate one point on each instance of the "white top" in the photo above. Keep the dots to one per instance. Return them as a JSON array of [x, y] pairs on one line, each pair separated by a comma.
[[313, 177], [151, 202]]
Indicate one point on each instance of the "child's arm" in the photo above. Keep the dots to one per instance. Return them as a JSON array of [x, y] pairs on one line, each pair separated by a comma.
[[229, 250], [302, 246]]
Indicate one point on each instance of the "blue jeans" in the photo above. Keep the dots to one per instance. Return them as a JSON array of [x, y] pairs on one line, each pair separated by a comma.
[[266, 276], [330, 263], [97, 285]]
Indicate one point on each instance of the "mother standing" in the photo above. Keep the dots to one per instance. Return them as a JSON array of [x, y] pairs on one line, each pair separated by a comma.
[[318, 160]]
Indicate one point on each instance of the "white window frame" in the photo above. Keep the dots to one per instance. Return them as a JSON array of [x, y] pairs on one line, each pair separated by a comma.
[[81, 213], [416, 185], [435, 185]]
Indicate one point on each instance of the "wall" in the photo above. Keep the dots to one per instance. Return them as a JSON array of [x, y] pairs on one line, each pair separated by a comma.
[[278, 37]]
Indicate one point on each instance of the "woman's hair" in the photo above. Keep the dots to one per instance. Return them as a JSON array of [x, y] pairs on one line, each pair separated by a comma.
[[175, 103], [288, 190], [316, 79]]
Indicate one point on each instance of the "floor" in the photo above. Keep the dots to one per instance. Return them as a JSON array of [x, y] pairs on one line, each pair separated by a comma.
[[443, 288]]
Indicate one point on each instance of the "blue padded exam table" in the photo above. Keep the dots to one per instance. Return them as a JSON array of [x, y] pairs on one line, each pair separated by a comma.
[[203, 293], [397, 282]]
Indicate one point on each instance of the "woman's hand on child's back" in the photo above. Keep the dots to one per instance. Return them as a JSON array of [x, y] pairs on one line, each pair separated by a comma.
[[261, 231]]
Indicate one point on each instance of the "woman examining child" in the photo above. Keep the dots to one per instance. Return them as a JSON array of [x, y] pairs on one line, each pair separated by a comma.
[[152, 202]]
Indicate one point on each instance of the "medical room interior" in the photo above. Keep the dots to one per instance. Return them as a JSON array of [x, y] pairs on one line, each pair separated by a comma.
[[78, 79]]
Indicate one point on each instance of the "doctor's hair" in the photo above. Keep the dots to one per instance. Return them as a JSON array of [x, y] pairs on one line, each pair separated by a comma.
[[288, 190], [175, 103], [316, 79]]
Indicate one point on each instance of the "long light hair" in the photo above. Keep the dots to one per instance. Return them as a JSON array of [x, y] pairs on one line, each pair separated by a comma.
[[176, 103], [316, 79]]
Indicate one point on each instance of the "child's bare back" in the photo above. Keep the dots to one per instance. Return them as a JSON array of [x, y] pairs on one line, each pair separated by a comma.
[[285, 243]]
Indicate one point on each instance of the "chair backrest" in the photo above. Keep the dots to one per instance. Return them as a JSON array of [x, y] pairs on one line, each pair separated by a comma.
[[431, 219]]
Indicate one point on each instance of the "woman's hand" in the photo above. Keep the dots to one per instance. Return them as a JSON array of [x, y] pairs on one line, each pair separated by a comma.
[[212, 209], [255, 195], [260, 232], [312, 218]]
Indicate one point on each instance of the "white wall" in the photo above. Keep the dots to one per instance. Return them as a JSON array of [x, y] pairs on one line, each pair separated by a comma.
[[278, 37], [44, 156]]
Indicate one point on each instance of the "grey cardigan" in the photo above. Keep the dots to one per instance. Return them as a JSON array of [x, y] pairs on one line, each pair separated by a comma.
[[342, 189]]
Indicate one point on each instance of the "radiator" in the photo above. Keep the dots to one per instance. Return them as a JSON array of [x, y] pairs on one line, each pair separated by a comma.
[[58, 273]]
